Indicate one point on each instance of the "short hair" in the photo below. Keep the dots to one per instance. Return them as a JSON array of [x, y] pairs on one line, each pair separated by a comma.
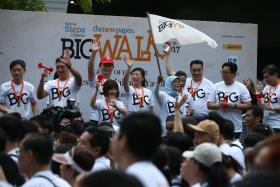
[[251, 139], [228, 130], [12, 127], [41, 146], [20, 62], [142, 72], [174, 160], [257, 112], [109, 85], [180, 73], [198, 62], [180, 140], [109, 178], [28, 126], [99, 138], [44, 122], [271, 69], [232, 66], [143, 133], [3, 140]]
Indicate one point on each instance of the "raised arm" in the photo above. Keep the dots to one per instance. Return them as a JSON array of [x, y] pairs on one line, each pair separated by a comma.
[[156, 90], [95, 47], [178, 125], [41, 92], [168, 66], [93, 98], [66, 60], [129, 63]]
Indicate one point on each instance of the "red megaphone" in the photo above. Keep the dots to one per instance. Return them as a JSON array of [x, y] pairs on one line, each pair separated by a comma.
[[100, 78], [40, 66]]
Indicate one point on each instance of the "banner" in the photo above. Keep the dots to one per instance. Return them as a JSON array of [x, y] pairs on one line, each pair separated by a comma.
[[40, 37]]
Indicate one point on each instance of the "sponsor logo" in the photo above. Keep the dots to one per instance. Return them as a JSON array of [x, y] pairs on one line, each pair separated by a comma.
[[116, 30], [74, 29], [232, 47]]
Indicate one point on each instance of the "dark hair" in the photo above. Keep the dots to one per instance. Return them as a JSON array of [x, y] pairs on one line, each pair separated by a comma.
[[198, 62], [271, 69], [142, 72], [216, 117], [110, 178], [181, 73], [180, 140], [143, 133], [41, 146], [230, 163], [160, 160], [257, 112], [12, 127], [228, 130], [58, 59], [44, 122], [82, 158], [252, 139], [99, 138], [215, 175], [3, 140], [232, 66], [15, 62], [109, 85], [28, 127], [174, 160], [15, 115], [75, 127]]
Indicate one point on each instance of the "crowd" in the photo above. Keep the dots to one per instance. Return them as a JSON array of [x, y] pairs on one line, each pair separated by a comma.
[[204, 134]]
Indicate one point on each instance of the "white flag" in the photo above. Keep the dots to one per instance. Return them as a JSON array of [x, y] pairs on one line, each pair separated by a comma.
[[164, 29]]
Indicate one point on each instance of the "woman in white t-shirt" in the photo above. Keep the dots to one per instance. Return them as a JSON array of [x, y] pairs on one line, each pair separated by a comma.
[[109, 108], [138, 97]]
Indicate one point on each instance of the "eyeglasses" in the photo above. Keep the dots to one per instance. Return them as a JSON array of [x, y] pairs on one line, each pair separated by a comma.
[[225, 72]]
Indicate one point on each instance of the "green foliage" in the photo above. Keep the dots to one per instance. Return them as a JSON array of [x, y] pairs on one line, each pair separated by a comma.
[[31, 5], [87, 5]]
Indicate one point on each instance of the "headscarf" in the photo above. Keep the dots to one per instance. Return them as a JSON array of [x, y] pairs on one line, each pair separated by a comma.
[[168, 86]]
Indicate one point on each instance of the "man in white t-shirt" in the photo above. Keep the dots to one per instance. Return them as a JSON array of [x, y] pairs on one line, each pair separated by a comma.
[[271, 100], [230, 97], [35, 153], [106, 67], [63, 88], [134, 146], [17, 95]]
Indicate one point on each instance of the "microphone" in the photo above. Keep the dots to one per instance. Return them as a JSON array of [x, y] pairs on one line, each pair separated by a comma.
[[40, 66]]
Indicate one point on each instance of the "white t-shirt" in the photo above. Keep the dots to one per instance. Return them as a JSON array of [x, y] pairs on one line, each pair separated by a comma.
[[104, 112], [69, 91], [101, 163], [272, 118], [94, 115], [167, 108], [237, 93], [45, 179], [148, 174], [133, 104], [14, 153], [8, 98], [202, 92]]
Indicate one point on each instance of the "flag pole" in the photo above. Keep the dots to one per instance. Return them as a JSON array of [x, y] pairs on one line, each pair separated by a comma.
[[154, 45]]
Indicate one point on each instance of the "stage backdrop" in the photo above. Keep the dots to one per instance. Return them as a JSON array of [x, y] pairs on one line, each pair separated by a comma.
[[40, 37]]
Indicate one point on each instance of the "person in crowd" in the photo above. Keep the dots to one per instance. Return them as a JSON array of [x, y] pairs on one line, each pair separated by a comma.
[[106, 67], [252, 90], [73, 163], [109, 108], [167, 99], [203, 167], [271, 100], [230, 97], [138, 97], [17, 95], [36, 151], [134, 146], [44, 124], [97, 143], [108, 178], [64, 88]]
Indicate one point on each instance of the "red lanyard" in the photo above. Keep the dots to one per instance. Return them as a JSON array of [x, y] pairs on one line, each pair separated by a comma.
[[58, 87], [18, 97], [271, 92], [141, 99], [109, 110], [193, 91]]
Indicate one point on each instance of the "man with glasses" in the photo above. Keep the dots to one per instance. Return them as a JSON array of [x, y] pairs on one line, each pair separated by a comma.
[[230, 97], [17, 95]]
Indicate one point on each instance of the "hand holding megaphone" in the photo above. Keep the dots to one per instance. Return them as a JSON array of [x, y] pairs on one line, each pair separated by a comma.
[[41, 66]]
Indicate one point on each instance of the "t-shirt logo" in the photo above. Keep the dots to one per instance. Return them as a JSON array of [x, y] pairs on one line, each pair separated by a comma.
[[13, 100], [64, 93], [232, 97], [137, 102], [171, 107], [200, 93], [273, 99], [106, 116]]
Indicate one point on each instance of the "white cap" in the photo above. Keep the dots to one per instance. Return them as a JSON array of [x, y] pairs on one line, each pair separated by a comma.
[[205, 153]]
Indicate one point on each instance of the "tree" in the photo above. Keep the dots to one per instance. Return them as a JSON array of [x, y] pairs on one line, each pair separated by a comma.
[[31, 5], [87, 5]]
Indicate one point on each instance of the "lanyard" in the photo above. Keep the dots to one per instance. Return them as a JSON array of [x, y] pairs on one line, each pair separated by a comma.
[[193, 91], [141, 99], [58, 87], [109, 110], [18, 97], [271, 92]]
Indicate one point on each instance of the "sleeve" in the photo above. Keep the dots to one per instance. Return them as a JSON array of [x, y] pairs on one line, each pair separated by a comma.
[[245, 95], [120, 104], [32, 95], [92, 83], [190, 100], [128, 94], [98, 104], [152, 103], [212, 96], [47, 86], [2, 94], [74, 85]]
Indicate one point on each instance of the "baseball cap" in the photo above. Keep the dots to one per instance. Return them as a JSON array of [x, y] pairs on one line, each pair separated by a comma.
[[208, 126], [205, 153], [106, 60], [234, 152]]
